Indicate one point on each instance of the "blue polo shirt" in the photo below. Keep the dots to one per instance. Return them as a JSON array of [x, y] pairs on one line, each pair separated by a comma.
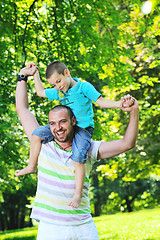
[[79, 98]]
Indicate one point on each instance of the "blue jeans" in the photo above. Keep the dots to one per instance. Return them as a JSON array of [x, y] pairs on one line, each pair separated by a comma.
[[80, 145]]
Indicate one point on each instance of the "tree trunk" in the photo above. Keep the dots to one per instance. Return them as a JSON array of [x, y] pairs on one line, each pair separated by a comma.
[[128, 202], [22, 219]]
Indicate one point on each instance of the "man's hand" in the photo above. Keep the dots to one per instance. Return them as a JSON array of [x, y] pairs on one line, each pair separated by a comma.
[[127, 101], [32, 65], [30, 70]]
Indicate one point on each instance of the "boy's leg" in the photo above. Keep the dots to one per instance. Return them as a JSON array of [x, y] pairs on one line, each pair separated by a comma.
[[79, 181], [44, 133], [80, 146], [40, 135], [35, 149]]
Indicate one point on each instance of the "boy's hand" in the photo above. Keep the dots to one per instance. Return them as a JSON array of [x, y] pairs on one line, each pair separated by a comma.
[[127, 101], [30, 70], [131, 108], [32, 65]]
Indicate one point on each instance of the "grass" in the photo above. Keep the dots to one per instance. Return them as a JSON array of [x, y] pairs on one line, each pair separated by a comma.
[[20, 234], [141, 225]]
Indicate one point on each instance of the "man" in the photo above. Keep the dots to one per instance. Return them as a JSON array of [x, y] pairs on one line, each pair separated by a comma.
[[56, 182]]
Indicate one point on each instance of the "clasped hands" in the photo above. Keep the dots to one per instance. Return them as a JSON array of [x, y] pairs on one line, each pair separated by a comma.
[[128, 103], [29, 70]]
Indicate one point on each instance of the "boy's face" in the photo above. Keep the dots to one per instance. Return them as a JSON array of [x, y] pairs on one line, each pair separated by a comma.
[[59, 81]]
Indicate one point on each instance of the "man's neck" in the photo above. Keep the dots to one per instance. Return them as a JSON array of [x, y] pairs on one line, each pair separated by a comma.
[[66, 146]]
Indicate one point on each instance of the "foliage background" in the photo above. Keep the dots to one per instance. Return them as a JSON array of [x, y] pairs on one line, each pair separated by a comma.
[[111, 44]]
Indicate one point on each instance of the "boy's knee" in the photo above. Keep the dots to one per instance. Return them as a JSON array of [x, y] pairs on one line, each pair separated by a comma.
[[79, 156], [77, 164], [36, 131], [35, 138]]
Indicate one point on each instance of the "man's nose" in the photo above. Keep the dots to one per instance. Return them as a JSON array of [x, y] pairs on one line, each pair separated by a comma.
[[58, 126]]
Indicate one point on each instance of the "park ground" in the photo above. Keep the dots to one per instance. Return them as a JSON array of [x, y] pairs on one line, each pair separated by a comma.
[[140, 225]]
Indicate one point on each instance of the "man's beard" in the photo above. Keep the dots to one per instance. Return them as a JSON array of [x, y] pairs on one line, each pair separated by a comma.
[[67, 137]]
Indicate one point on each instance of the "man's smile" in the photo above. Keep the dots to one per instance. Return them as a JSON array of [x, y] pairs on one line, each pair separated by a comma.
[[59, 133]]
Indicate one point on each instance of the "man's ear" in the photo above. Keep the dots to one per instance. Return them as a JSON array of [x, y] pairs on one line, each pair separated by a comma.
[[74, 120], [67, 72]]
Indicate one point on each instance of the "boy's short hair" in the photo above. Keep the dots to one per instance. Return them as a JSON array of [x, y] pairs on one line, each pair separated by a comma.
[[55, 66]]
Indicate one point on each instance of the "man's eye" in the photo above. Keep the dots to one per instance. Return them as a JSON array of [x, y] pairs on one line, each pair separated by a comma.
[[52, 123]]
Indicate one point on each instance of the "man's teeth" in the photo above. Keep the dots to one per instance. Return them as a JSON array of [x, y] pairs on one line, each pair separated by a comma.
[[60, 132]]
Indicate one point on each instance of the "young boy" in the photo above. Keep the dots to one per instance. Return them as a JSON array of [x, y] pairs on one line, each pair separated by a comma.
[[78, 96]]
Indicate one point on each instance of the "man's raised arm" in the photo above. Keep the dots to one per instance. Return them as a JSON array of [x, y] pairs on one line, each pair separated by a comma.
[[28, 120], [113, 148]]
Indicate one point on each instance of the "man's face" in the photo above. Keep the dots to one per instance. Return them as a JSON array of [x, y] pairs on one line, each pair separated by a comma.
[[61, 125], [59, 81]]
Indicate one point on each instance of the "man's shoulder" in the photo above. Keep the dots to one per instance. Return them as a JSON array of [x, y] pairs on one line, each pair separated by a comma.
[[93, 151], [95, 145], [50, 149]]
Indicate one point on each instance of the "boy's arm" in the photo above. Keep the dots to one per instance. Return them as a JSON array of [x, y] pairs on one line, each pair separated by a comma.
[[125, 102], [105, 103], [38, 85], [113, 148]]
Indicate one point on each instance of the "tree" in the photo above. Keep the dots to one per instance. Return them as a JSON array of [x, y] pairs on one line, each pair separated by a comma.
[[108, 43], [140, 37]]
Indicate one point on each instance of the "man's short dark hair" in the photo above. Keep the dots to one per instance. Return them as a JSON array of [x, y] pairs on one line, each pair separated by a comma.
[[55, 66], [59, 107]]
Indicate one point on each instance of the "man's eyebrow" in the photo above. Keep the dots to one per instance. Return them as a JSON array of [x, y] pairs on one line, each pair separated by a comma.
[[51, 122], [63, 119]]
